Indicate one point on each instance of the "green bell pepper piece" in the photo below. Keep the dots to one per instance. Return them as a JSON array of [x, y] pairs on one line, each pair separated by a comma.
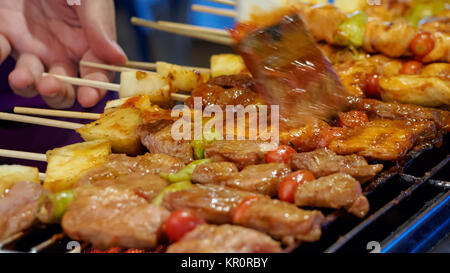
[[180, 186], [351, 31], [186, 173]]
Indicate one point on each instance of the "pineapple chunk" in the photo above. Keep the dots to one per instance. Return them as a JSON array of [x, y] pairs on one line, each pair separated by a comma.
[[182, 78], [11, 174], [119, 128], [66, 164], [134, 83], [226, 64]]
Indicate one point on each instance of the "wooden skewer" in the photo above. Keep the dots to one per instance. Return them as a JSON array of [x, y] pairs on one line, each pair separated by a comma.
[[41, 121], [108, 67], [85, 82], [225, 2], [56, 113], [23, 155], [187, 27], [203, 36], [42, 176], [217, 11], [141, 65], [104, 85]]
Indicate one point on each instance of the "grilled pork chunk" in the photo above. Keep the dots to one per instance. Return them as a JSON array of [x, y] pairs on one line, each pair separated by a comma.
[[335, 191], [324, 162], [114, 216], [19, 208], [122, 165], [242, 153], [214, 203], [157, 138], [225, 239], [263, 178]]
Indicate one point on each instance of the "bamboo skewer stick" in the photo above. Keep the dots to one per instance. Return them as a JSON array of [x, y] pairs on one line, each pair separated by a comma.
[[204, 36], [217, 11], [108, 67], [23, 155], [104, 85], [85, 82], [188, 27], [56, 113], [225, 2], [141, 65], [41, 121]]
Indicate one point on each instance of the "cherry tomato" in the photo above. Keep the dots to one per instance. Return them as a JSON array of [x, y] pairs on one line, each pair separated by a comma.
[[373, 86], [240, 210], [286, 191], [411, 68], [181, 222], [422, 44], [282, 154], [353, 119]]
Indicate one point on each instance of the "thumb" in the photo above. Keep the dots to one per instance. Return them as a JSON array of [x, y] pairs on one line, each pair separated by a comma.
[[98, 21]]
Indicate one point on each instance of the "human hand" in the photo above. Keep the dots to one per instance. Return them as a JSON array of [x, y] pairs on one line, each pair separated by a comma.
[[50, 35]]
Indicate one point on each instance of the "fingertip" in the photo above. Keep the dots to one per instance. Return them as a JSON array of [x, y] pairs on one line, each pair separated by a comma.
[[49, 87], [21, 78], [88, 97]]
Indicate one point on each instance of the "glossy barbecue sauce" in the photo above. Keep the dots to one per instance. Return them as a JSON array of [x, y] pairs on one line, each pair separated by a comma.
[[290, 71]]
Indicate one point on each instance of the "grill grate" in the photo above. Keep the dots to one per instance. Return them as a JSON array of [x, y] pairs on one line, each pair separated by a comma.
[[409, 213]]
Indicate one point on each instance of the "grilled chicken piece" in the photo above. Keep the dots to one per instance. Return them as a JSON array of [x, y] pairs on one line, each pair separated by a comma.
[[381, 36], [335, 191], [324, 162], [225, 239], [290, 71], [384, 139], [19, 208], [114, 216], [122, 165], [241, 152], [279, 219], [415, 89], [226, 90], [441, 51], [157, 138], [263, 178], [436, 24], [392, 110]]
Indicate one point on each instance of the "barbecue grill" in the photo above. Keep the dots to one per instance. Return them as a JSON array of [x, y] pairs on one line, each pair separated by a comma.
[[410, 212]]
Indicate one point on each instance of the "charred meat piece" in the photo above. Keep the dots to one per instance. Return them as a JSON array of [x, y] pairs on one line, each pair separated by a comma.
[[240, 152], [19, 208], [324, 162], [121, 165], [214, 173], [392, 110], [283, 221], [334, 191], [214, 203], [157, 138], [225, 90], [263, 178], [114, 216], [384, 139], [225, 239], [290, 71]]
